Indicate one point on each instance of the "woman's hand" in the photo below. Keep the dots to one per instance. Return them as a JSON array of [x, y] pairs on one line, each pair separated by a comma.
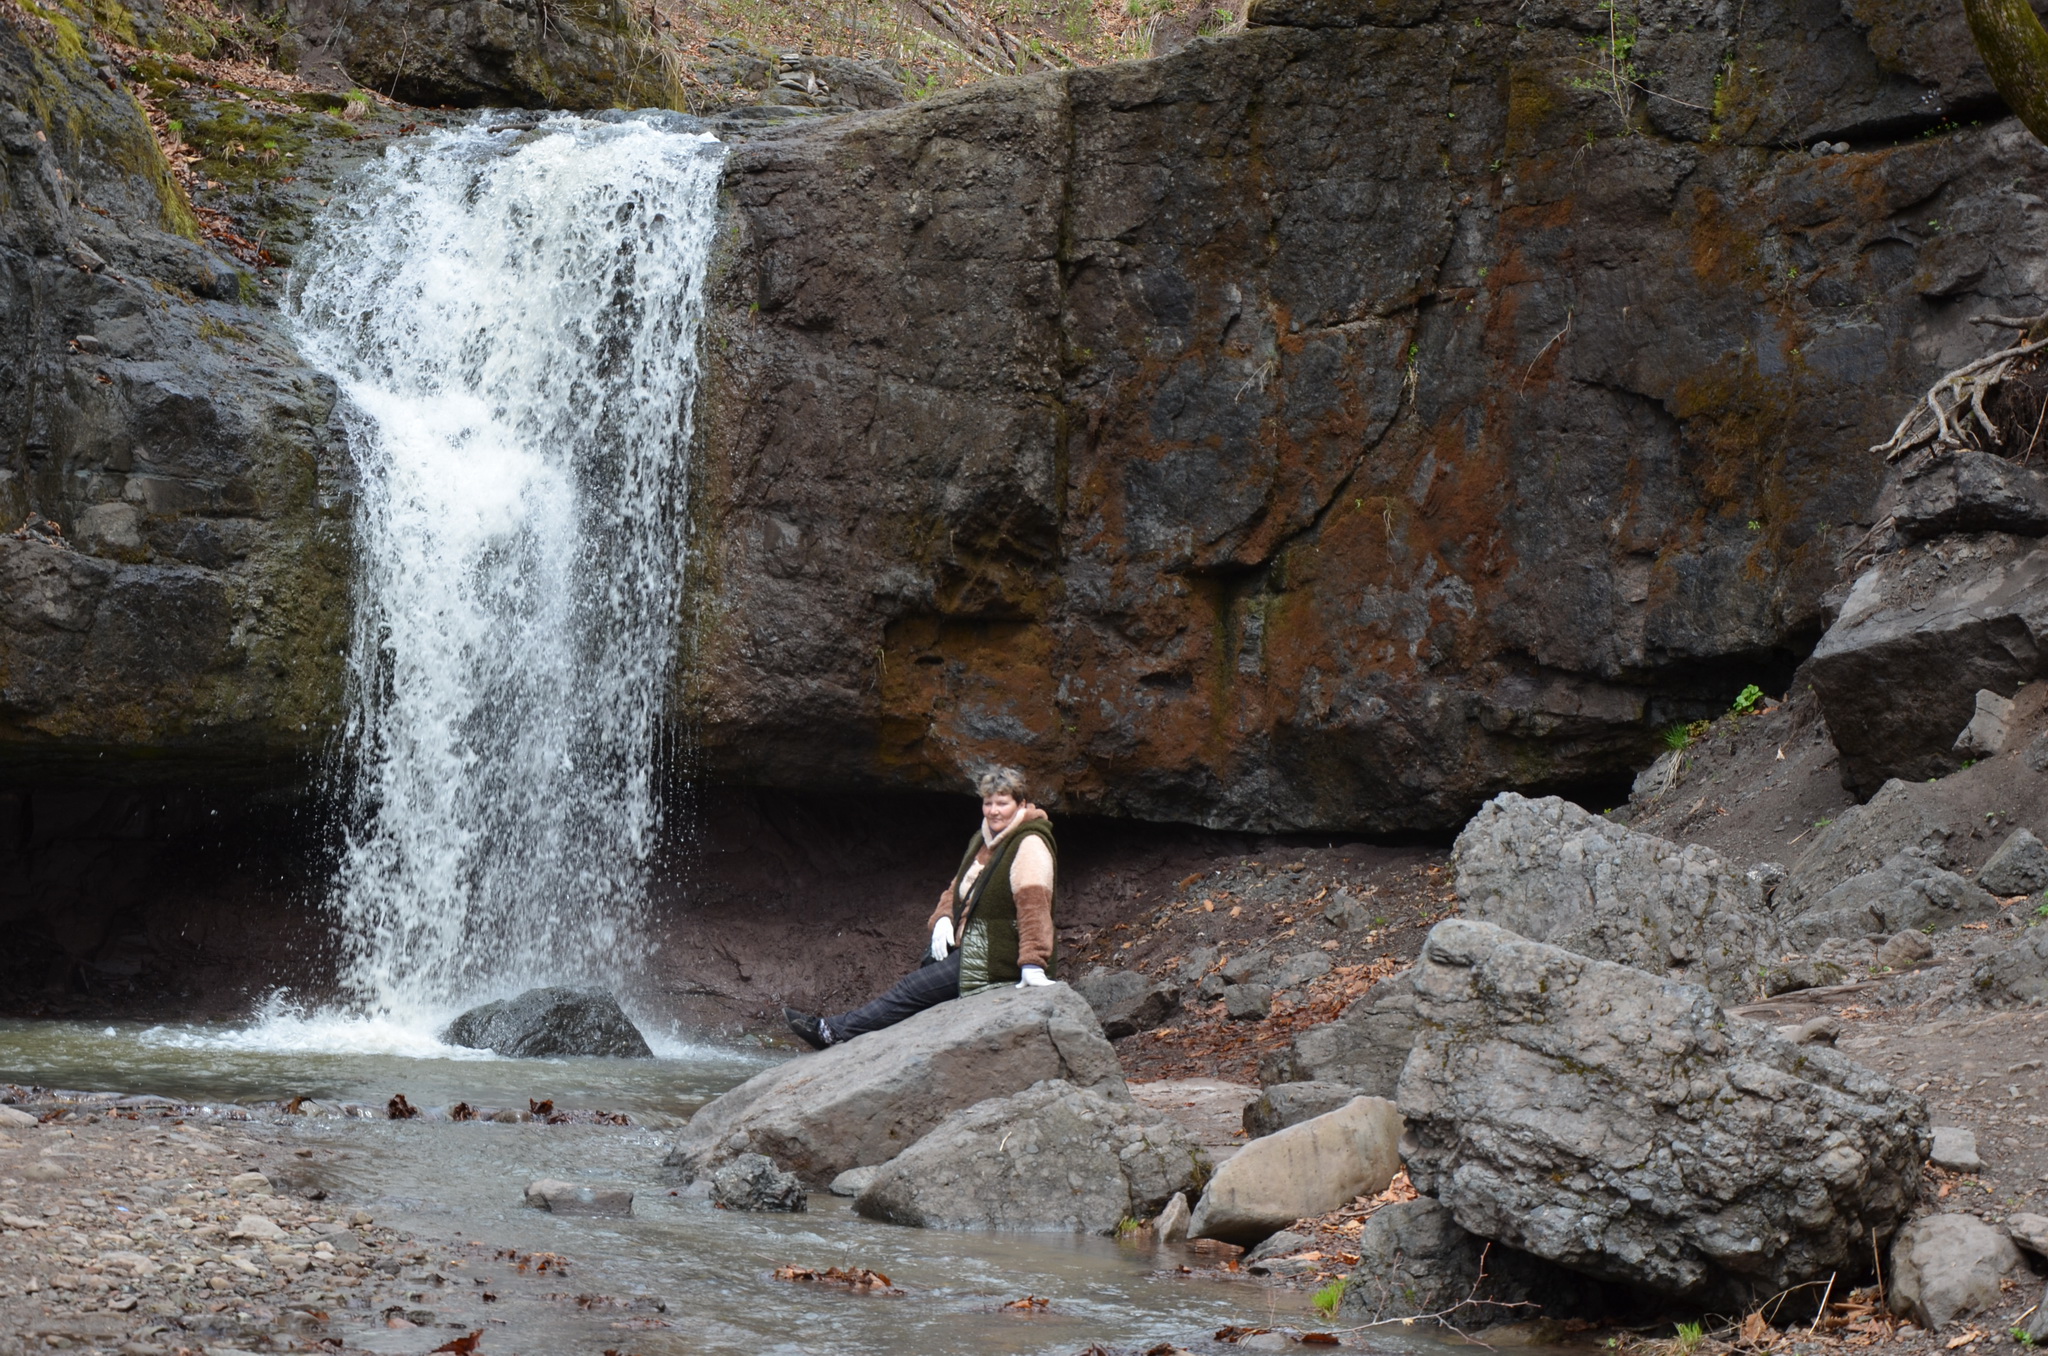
[[1034, 978], [942, 938]]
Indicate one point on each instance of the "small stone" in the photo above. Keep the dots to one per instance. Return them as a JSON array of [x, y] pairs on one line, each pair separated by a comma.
[[2030, 1232], [1345, 913], [1984, 736], [1248, 1002], [258, 1227], [43, 1170], [1946, 1267], [1171, 1224], [1955, 1149], [2019, 867], [753, 1182], [854, 1180], [1903, 949], [1817, 1031], [1798, 973], [13, 1119], [578, 1198], [1211, 988], [249, 1184]]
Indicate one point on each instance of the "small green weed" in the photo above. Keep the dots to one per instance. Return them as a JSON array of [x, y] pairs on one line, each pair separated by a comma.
[[1328, 1298], [1747, 700], [1690, 1336]]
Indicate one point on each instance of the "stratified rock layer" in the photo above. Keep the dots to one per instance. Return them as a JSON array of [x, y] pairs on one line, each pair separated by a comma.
[[864, 1102], [1621, 1124]]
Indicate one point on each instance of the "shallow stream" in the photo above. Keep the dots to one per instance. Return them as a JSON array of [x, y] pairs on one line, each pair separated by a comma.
[[714, 1269]]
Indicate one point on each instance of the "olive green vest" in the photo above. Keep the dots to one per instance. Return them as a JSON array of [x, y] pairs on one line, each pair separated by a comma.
[[988, 945]]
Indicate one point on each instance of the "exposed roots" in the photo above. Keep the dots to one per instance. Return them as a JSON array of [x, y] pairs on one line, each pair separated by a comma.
[[1951, 415]]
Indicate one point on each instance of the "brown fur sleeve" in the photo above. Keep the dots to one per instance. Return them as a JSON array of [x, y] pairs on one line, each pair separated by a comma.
[[1034, 925], [945, 910]]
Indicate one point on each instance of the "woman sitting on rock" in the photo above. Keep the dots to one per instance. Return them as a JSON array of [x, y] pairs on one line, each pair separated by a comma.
[[999, 907]]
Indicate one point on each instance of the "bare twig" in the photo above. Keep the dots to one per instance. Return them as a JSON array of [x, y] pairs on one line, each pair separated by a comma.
[[1443, 1316]]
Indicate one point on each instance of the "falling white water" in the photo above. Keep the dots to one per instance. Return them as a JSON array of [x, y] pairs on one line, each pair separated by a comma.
[[511, 312]]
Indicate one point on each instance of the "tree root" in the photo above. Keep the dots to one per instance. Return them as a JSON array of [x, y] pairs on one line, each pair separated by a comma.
[[1940, 417]]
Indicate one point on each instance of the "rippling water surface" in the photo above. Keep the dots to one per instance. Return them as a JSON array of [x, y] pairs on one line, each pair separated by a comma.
[[713, 1268]]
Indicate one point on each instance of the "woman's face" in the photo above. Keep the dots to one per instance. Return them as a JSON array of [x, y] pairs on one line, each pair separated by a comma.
[[997, 811]]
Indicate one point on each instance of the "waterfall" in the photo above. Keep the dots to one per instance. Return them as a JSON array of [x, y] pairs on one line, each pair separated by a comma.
[[511, 311]]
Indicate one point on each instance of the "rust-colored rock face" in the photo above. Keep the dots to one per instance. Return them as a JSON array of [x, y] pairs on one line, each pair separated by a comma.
[[1324, 428]]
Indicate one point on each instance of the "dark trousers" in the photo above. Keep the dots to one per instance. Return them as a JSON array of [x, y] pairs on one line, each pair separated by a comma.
[[925, 987]]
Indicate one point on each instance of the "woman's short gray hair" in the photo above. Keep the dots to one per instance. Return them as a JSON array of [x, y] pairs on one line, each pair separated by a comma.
[[1001, 781]]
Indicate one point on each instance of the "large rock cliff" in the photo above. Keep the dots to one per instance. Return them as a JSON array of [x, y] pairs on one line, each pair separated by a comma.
[[186, 612], [1322, 427]]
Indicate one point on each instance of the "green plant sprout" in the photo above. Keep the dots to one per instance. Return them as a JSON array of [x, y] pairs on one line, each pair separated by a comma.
[[1747, 700], [1328, 1298]]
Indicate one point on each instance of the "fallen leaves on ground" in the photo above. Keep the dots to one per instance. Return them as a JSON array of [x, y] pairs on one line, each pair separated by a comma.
[[462, 1346], [398, 1109], [1029, 1304], [857, 1279]]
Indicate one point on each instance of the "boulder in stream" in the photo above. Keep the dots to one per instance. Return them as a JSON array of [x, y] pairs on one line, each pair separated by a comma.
[[580, 1198], [869, 1099], [556, 1021], [1051, 1158], [1621, 1124], [1306, 1169], [753, 1182]]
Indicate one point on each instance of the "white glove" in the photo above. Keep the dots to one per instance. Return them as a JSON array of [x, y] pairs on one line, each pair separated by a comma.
[[942, 938], [1034, 978]]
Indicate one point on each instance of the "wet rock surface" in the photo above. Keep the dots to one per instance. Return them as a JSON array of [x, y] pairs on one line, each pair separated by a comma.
[[1622, 1125], [552, 1021], [753, 1182], [1053, 1157], [863, 1102]]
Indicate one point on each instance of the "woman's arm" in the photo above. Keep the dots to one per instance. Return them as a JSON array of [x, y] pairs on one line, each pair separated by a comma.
[[945, 910], [1031, 879]]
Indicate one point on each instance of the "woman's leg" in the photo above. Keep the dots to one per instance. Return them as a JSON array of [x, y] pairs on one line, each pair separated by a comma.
[[924, 987]]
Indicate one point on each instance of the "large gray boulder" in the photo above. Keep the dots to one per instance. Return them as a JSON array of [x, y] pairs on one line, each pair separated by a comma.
[[1902, 816], [1907, 892], [1126, 1002], [1552, 872], [1306, 1169], [1969, 491], [1623, 1125], [1051, 1158], [866, 1101], [1363, 1050], [1946, 1267], [556, 1021], [1413, 1259], [753, 1182], [2019, 867], [2015, 975], [1921, 632]]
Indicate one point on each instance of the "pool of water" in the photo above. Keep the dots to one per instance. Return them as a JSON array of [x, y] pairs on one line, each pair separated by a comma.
[[280, 1058], [712, 1268]]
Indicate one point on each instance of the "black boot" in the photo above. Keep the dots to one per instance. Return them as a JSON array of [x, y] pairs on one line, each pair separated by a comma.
[[812, 1030]]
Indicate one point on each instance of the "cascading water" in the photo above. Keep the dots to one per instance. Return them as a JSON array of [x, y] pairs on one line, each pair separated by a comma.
[[512, 313]]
